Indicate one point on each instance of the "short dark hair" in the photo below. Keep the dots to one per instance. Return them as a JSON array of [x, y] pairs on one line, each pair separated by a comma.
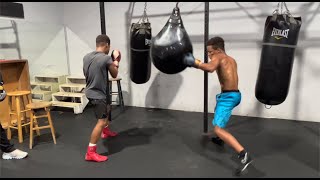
[[102, 40], [216, 42]]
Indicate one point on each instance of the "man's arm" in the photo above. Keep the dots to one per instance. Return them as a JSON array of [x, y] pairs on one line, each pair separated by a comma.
[[113, 69], [209, 67], [190, 61]]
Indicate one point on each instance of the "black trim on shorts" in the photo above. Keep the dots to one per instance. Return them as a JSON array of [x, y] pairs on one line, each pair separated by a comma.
[[224, 91]]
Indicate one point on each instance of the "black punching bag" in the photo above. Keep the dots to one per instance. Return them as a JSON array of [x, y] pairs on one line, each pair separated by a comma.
[[140, 66], [171, 44], [277, 56]]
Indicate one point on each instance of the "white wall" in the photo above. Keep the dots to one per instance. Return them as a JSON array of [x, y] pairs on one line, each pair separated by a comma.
[[43, 12], [241, 24], [82, 21], [40, 37], [243, 44]]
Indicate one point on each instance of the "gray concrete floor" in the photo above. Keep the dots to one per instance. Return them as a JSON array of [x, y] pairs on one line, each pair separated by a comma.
[[167, 143]]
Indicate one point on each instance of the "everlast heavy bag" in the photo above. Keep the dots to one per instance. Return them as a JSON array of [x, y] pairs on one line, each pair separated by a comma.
[[140, 66], [277, 56], [170, 45]]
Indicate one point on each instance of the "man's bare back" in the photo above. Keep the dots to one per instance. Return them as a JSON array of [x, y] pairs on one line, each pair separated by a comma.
[[227, 72]]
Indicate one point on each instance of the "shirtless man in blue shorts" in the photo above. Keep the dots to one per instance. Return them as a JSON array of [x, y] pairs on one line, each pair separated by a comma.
[[228, 99]]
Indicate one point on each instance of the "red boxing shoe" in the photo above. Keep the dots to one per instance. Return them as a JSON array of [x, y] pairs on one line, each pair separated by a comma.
[[106, 132], [92, 155]]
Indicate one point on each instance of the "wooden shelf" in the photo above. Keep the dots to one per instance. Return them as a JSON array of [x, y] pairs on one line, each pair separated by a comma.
[[15, 74]]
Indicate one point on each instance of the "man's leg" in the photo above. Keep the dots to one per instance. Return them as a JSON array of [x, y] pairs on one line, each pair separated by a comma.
[[101, 112], [106, 132], [243, 155], [221, 118], [226, 102], [5, 144], [228, 138], [95, 135], [8, 149], [92, 154], [217, 140]]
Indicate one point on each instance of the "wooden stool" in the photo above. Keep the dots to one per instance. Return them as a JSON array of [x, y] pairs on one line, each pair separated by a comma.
[[17, 108], [40, 105], [119, 92]]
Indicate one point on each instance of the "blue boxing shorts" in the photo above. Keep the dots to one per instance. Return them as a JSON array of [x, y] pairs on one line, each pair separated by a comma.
[[226, 102]]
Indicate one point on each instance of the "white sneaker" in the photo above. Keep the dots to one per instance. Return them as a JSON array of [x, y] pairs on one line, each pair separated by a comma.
[[16, 154]]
